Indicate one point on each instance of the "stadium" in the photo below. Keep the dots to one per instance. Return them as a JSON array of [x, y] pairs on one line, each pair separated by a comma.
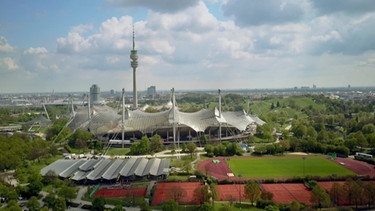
[[173, 125]]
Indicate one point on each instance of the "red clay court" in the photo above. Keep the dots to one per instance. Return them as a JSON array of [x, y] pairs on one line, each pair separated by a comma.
[[287, 193], [282, 193], [231, 192], [164, 191], [121, 192]]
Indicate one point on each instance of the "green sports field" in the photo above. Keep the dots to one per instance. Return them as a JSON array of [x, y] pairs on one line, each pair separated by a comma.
[[285, 167]]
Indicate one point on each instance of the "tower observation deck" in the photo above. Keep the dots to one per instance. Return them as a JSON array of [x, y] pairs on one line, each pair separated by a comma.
[[134, 65]]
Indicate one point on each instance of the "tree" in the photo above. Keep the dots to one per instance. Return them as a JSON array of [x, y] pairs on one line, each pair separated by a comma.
[[151, 110], [156, 144], [295, 206], [203, 139], [33, 204], [361, 139], [68, 193], [336, 192], [272, 106], [357, 191], [13, 206], [368, 128], [369, 194], [265, 195], [209, 150], [348, 189], [38, 149], [144, 145], [50, 178], [213, 192], [232, 149], [170, 205], [201, 194], [206, 207], [183, 147], [50, 200], [264, 131], [98, 204], [141, 148], [59, 204], [191, 148], [311, 133], [34, 187], [252, 191], [82, 135], [187, 166], [260, 148], [176, 193], [81, 144], [220, 150], [299, 130], [320, 197], [118, 207], [144, 206]]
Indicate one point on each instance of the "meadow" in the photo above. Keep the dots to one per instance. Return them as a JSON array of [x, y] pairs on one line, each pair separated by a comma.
[[285, 167]]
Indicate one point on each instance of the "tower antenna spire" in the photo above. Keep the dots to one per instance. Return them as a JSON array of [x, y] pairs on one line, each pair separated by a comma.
[[133, 39], [134, 65]]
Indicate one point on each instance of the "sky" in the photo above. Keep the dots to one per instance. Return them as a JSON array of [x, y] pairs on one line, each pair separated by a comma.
[[67, 46]]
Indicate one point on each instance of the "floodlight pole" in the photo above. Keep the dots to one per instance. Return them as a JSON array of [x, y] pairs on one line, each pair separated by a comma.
[[174, 119], [239, 176], [219, 91], [123, 118], [303, 158]]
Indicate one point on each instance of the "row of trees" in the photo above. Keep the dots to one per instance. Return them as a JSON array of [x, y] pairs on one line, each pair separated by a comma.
[[319, 125], [146, 146], [16, 115], [18, 149], [350, 192], [223, 149], [205, 196]]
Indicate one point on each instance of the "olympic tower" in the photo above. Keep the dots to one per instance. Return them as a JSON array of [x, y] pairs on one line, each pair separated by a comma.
[[134, 65]]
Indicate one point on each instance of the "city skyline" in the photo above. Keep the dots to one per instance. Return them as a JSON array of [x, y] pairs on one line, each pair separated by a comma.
[[188, 44]]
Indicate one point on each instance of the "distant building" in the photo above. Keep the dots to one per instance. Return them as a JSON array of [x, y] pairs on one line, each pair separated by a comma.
[[112, 92], [94, 94], [151, 91]]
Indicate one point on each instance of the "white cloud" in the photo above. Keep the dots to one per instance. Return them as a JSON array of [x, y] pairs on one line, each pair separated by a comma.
[[8, 63], [37, 50], [83, 28], [4, 46], [344, 6], [250, 13], [73, 43]]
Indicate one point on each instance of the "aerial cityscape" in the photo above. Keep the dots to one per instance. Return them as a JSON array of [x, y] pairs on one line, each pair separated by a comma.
[[187, 105]]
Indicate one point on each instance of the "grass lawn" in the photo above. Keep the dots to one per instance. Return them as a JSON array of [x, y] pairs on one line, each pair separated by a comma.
[[285, 167], [118, 151]]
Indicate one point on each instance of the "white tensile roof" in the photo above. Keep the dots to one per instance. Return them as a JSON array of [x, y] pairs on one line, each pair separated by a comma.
[[105, 119]]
